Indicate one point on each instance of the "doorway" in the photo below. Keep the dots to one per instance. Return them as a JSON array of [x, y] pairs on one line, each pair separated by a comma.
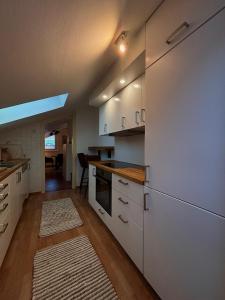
[[58, 156]]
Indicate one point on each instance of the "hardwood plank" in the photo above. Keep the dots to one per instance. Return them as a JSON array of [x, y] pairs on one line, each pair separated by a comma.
[[16, 271]]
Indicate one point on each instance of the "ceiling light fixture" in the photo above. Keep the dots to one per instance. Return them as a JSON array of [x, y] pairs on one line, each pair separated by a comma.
[[122, 81], [136, 86], [105, 97], [121, 42], [117, 99]]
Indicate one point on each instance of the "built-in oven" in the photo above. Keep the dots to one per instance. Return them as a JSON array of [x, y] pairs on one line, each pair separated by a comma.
[[104, 189]]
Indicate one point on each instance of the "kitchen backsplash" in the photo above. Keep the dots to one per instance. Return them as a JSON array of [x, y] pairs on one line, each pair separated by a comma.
[[130, 149]]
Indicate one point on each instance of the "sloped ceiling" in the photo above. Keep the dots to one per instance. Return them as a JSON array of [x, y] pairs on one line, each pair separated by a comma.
[[48, 47]]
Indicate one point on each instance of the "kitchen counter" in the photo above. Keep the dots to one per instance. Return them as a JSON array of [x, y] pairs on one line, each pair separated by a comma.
[[8, 171], [135, 174]]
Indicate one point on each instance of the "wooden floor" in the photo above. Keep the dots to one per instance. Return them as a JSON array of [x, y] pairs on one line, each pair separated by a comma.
[[54, 180], [16, 271]]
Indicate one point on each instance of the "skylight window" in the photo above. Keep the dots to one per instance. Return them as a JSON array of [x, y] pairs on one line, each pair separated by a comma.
[[25, 110]]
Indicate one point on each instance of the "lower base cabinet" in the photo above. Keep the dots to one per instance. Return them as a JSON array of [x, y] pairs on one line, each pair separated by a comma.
[[184, 249]]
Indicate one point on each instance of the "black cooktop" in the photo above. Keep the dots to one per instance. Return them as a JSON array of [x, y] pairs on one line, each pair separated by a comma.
[[120, 164]]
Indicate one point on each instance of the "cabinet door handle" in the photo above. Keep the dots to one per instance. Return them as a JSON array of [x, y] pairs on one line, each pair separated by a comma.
[[3, 186], [121, 219], [143, 115], [145, 201], [4, 226], [121, 200], [137, 115], [123, 122], [183, 27], [4, 207], [147, 168], [101, 212], [122, 182], [3, 196]]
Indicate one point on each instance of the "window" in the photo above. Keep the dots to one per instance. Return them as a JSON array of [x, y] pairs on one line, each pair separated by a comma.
[[28, 109], [50, 143]]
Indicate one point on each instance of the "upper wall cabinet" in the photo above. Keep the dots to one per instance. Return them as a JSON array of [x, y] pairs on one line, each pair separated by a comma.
[[173, 21], [124, 111]]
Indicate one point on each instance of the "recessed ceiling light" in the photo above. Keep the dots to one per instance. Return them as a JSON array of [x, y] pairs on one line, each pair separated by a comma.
[[122, 81], [105, 97], [121, 42], [122, 47], [136, 85], [117, 99]]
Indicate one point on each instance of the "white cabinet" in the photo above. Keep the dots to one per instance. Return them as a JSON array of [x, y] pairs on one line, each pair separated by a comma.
[[13, 191], [185, 109], [184, 249], [127, 217], [173, 21], [125, 110], [92, 186]]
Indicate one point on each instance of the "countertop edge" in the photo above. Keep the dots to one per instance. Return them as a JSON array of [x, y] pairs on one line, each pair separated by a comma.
[[9, 171], [116, 172]]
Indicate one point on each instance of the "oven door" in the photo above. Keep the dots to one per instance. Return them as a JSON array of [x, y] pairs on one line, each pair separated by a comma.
[[104, 190]]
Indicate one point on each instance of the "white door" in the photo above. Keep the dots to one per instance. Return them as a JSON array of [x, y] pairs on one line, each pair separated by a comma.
[[184, 249], [185, 119]]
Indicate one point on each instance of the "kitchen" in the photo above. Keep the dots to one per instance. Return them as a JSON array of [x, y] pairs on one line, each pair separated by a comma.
[[155, 209]]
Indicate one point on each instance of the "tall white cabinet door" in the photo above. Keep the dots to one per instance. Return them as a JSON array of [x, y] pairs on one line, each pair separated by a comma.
[[174, 20], [185, 119], [131, 104], [184, 250]]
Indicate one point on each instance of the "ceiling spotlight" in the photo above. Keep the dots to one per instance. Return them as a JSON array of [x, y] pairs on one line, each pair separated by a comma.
[[122, 81], [121, 42], [136, 86], [117, 99], [105, 97]]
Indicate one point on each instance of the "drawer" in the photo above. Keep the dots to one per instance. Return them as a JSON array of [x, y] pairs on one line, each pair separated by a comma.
[[4, 209], [4, 188], [173, 21], [128, 208], [130, 189], [5, 236], [130, 236]]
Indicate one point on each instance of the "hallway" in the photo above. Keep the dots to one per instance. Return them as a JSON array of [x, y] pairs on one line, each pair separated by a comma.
[[54, 180]]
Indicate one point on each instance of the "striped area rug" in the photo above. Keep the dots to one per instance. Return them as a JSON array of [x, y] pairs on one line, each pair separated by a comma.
[[57, 216], [70, 270]]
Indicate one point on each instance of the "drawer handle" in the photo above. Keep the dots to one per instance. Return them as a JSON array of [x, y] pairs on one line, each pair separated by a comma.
[[121, 200], [147, 168], [137, 115], [121, 219], [172, 37], [123, 122], [101, 212], [121, 181], [143, 115], [4, 226], [3, 207], [3, 196], [3, 186]]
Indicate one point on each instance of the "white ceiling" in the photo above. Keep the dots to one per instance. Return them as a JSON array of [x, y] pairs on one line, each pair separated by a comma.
[[49, 47]]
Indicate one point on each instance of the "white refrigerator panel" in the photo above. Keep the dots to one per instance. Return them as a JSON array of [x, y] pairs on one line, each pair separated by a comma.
[[184, 250], [185, 119]]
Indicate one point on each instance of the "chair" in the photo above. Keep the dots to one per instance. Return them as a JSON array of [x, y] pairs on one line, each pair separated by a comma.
[[84, 165]]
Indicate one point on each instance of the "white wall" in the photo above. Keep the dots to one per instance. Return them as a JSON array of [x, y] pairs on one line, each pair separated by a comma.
[[26, 142], [130, 149], [86, 134]]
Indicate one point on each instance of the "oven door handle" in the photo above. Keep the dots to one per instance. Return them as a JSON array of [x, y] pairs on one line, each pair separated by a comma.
[[102, 179]]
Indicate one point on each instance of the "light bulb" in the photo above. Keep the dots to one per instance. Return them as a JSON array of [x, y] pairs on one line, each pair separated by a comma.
[[122, 81], [122, 47], [105, 97]]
